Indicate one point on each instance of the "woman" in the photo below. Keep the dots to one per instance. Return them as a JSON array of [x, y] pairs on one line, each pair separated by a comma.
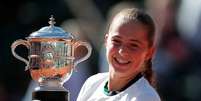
[[129, 50]]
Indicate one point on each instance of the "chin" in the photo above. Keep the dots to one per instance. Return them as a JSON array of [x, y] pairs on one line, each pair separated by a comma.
[[120, 68], [123, 69]]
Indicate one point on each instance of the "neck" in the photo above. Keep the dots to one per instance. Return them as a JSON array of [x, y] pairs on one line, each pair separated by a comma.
[[117, 83]]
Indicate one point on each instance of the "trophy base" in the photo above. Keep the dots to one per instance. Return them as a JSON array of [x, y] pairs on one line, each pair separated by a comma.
[[50, 96]]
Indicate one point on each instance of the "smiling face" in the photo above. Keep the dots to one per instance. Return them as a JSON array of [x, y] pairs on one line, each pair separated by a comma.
[[127, 48]]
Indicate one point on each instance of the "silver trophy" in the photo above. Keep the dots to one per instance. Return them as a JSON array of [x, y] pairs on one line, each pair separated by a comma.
[[51, 60]]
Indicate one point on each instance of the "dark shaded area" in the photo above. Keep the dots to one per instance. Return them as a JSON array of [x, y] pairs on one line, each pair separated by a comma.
[[18, 19]]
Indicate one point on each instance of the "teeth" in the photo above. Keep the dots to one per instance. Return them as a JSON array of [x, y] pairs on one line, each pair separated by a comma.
[[122, 61]]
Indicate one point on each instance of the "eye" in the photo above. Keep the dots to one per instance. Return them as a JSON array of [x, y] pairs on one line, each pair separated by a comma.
[[134, 46], [116, 41]]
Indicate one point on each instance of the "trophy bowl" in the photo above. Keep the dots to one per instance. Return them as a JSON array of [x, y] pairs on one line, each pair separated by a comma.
[[51, 59]]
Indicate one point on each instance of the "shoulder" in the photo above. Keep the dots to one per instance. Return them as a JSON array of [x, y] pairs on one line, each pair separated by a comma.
[[91, 85], [99, 76], [146, 91], [148, 97], [96, 79]]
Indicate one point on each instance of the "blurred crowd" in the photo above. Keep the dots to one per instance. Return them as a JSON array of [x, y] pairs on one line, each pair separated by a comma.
[[177, 62]]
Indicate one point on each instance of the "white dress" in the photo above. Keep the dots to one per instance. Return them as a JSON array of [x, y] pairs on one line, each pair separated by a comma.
[[93, 90]]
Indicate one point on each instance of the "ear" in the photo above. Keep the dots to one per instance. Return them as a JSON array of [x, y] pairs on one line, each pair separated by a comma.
[[105, 38], [150, 53]]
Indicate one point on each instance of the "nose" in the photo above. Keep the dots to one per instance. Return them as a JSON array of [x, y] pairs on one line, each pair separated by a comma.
[[123, 51]]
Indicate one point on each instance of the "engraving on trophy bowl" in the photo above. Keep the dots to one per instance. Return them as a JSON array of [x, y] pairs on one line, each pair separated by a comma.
[[50, 61], [46, 74]]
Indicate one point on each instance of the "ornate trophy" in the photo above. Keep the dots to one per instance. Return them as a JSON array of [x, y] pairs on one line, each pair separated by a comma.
[[51, 60]]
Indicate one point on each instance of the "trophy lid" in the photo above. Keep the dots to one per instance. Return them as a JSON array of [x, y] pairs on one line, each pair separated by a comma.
[[51, 31]]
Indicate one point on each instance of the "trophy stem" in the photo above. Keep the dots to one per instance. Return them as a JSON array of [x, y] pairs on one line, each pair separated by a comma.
[[50, 91], [50, 96]]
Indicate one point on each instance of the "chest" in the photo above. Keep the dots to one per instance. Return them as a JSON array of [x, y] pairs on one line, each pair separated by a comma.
[[99, 95]]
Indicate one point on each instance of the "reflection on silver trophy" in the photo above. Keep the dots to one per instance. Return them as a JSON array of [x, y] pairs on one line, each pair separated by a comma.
[[51, 56]]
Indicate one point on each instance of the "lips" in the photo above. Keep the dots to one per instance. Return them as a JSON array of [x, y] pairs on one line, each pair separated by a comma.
[[121, 61]]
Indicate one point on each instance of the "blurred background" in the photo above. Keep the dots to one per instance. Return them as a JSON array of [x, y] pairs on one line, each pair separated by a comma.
[[177, 62]]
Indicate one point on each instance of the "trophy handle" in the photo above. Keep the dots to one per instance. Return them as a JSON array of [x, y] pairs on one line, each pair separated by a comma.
[[17, 43], [89, 48]]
